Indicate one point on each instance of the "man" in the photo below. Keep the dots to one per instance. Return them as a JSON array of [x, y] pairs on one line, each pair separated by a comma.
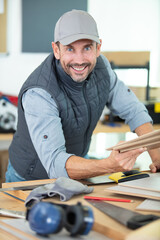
[[61, 103]]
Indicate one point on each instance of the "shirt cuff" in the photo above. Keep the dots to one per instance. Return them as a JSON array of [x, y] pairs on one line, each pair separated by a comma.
[[139, 120], [58, 168]]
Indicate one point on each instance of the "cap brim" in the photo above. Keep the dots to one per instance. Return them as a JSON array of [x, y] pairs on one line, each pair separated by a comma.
[[73, 38]]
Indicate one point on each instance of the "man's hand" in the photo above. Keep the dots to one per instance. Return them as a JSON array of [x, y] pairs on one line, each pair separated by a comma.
[[154, 153], [154, 168], [123, 161], [81, 168], [155, 156]]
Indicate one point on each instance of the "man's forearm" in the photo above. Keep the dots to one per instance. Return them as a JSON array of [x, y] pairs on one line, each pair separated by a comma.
[[145, 128], [81, 168]]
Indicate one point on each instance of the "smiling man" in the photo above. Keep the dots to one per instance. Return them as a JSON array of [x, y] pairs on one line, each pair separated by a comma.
[[60, 104], [77, 59]]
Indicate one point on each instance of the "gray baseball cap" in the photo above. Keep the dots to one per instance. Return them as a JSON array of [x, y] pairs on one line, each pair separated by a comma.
[[75, 25]]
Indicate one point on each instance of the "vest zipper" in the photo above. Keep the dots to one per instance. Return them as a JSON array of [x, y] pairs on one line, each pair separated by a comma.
[[89, 113]]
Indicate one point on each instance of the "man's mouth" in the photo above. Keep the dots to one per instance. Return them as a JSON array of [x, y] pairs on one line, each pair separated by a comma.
[[79, 68]]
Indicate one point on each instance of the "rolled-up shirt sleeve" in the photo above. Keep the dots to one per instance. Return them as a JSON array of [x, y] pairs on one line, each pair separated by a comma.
[[45, 129], [123, 102]]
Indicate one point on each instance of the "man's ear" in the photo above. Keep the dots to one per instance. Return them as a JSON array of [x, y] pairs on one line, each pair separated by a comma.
[[55, 48], [99, 48]]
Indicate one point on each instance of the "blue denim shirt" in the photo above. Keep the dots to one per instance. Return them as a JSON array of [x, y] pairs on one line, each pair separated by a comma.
[[42, 115]]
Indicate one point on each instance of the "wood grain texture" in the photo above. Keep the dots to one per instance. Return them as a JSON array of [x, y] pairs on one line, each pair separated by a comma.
[[15, 231], [3, 29], [151, 183], [149, 140], [121, 58], [102, 223], [148, 232]]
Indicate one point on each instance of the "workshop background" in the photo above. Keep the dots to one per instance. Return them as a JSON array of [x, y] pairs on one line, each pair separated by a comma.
[[26, 33]]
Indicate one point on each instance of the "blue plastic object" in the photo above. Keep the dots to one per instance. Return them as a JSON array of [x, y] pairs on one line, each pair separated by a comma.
[[45, 218], [89, 220]]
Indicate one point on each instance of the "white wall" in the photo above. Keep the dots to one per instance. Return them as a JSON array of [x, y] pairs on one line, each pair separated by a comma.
[[16, 66], [130, 25], [123, 25]]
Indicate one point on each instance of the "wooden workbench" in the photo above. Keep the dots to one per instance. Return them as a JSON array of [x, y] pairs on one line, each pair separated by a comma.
[[103, 224], [119, 127]]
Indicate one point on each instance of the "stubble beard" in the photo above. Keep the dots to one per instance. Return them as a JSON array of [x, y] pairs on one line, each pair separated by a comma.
[[78, 77]]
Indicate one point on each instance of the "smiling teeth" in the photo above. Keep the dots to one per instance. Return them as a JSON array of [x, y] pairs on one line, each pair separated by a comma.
[[79, 69]]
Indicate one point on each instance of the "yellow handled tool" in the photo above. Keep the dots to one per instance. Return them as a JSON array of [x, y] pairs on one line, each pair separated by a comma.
[[127, 176]]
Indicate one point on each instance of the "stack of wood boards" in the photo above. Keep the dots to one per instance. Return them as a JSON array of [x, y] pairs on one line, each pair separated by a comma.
[[145, 187]]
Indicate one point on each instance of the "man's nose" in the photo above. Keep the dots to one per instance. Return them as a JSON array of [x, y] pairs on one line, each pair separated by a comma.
[[79, 57]]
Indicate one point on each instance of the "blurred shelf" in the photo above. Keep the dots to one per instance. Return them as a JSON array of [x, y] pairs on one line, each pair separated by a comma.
[[115, 127]]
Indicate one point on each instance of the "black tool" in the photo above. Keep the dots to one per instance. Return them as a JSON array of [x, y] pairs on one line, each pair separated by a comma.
[[126, 217]]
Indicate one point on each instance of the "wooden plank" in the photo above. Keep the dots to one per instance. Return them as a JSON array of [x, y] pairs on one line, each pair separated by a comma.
[[149, 140], [149, 205], [9, 202], [122, 58], [14, 230], [151, 183], [3, 165], [150, 231], [6, 136], [16, 194], [27, 183], [4, 234], [134, 192], [3, 29]]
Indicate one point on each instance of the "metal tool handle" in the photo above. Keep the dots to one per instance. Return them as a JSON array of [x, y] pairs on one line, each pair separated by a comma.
[[140, 220], [12, 213]]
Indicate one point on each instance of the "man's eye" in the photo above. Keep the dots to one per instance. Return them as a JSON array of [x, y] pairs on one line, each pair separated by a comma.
[[87, 48], [70, 49]]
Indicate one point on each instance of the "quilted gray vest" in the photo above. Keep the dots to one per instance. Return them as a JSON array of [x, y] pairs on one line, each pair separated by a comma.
[[80, 107]]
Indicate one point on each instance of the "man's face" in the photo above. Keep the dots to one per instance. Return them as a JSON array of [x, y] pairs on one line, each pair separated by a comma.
[[78, 58]]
